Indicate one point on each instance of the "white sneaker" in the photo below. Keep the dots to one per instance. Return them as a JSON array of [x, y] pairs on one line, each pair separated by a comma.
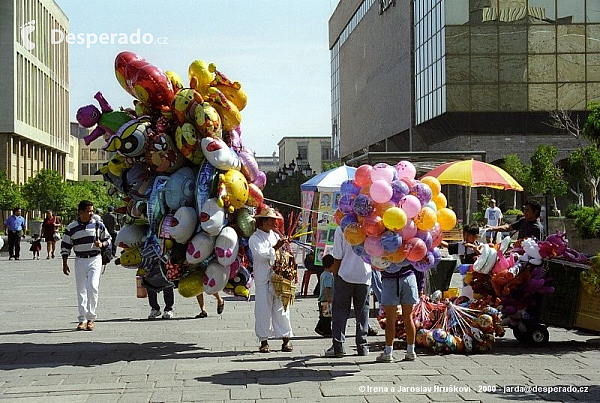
[[155, 313], [168, 315], [410, 357], [383, 357]]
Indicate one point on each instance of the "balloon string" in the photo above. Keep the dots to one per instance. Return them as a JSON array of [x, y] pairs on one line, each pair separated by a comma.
[[298, 207]]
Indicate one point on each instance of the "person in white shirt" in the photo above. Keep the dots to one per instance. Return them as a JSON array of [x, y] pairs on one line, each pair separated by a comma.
[[270, 319], [492, 218], [351, 286]]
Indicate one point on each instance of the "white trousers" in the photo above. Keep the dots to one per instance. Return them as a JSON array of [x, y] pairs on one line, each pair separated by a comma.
[[87, 278], [271, 320]]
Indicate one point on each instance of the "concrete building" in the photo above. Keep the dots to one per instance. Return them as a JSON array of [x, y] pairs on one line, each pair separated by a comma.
[[268, 164], [34, 89], [460, 75], [313, 150]]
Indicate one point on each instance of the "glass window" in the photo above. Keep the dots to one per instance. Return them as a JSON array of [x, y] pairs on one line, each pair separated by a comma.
[[457, 12], [458, 99], [457, 40], [542, 39], [513, 39], [484, 69], [570, 11], [93, 154], [85, 169], [570, 38], [593, 92], [542, 68], [513, 97], [93, 168], [593, 11], [542, 11], [485, 97], [542, 97], [593, 67], [570, 67], [513, 68], [571, 96], [457, 69], [484, 39], [593, 38]]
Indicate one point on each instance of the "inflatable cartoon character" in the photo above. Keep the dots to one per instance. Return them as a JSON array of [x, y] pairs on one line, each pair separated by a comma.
[[230, 114], [212, 217], [200, 247], [179, 189], [107, 122], [219, 155], [130, 139], [227, 246], [232, 89], [162, 155], [215, 277], [183, 224], [200, 74], [233, 190], [188, 144], [185, 102]]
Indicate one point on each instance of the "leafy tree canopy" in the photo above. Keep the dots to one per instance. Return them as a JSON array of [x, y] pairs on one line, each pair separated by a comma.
[[545, 176], [10, 193]]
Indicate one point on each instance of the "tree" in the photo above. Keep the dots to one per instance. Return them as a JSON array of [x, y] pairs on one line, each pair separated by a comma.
[[585, 170], [96, 192], [545, 176], [46, 191], [591, 127], [10, 193], [515, 168]]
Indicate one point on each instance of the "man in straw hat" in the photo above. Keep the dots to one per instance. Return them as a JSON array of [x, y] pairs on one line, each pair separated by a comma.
[[271, 320]]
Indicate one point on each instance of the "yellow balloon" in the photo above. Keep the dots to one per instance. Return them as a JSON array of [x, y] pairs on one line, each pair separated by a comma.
[[200, 76], [175, 80], [446, 218], [440, 201], [433, 183], [394, 218], [354, 234], [426, 219], [192, 284], [395, 257]]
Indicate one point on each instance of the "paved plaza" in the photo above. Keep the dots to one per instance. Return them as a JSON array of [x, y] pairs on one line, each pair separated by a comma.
[[128, 358]]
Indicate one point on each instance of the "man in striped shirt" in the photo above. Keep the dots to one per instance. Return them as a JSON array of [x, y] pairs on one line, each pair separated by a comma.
[[85, 237]]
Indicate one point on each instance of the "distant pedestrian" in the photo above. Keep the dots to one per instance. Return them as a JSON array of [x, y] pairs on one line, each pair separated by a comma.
[[50, 232], [110, 222], [493, 218], [325, 298], [15, 226], [36, 246], [203, 313], [85, 237]]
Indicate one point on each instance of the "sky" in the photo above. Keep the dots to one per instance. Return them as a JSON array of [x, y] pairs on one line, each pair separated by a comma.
[[277, 49]]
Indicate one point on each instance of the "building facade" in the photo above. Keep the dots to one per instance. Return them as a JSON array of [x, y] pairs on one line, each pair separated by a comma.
[[460, 75], [34, 89], [312, 150]]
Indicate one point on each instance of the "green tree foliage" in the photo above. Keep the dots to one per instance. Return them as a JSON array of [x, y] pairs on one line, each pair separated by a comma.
[[591, 127], [584, 170], [515, 168], [10, 193], [330, 165], [545, 176], [46, 191]]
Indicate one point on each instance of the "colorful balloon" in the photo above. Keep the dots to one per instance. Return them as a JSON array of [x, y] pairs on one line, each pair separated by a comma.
[[346, 203], [354, 234], [362, 205], [191, 285], [446, 218], [348, 219], [382, 171], [433, 183], [373, 225], [338, 215], [422, 192], [406, 169], [411, 205], [409, 230], [440, 201], [390, 241], [399, 190], [373, 246], [381, 191], [397, 256], [348, 187], [394, 219], [426, 219], [415, 249], [362, 176]]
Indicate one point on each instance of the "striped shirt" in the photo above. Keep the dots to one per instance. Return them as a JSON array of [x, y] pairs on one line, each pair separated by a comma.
[[80, 237]]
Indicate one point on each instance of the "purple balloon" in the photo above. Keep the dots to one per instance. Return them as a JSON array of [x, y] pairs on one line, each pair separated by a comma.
[[423, 192], [366, 258], [426, 237], [426, 263], [363, 206], [390, 241], [260, 180], [359, 249], [348, 187], [347, 219], [399, 190], [345, 204]]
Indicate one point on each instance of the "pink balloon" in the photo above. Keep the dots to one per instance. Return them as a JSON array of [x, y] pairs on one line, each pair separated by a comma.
[[382, 172], [381, 191], [409, 231], [362, 176], [411, 205], [373, 225], [436, 235], [415, 249], [406, 169], [373, 246]]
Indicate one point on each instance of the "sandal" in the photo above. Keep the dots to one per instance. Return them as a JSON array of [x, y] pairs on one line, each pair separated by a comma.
[[202, 314], [287, 346], [264, 347], [220, 308]]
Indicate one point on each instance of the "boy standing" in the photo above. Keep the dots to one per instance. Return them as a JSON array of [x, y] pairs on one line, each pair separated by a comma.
[[325, 298]]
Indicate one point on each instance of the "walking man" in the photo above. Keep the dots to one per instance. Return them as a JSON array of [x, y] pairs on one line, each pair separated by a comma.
[[15, 226], [85, 236]]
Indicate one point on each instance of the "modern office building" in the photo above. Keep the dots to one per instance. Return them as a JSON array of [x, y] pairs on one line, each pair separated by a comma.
[[460, 75], [34, 89]]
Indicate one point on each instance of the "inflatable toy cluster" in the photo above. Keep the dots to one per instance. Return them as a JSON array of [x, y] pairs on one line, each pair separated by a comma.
[[188, 180], [456, 325], [392, 219]]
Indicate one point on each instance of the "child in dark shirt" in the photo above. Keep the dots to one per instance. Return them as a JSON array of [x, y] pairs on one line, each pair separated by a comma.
[[36, 246], [468, 248], [325, 298]]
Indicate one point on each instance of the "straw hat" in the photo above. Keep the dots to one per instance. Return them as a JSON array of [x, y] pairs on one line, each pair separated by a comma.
[[267, 212]]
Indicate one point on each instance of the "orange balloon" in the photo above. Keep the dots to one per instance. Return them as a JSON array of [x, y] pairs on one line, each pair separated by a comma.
[[440, 201], [395, 257], [373, 225], [354, 234], [362, 176], [381, 208], [366, 190], [446, 218], [433, 183], [338, 215], [426, 219]]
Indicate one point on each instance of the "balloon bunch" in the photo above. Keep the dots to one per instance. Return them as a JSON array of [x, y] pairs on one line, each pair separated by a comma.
[[187, 179], [392, 219]]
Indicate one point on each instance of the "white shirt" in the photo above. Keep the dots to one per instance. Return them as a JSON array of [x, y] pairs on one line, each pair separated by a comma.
[[352, 268], [261, 244], [493, 216]]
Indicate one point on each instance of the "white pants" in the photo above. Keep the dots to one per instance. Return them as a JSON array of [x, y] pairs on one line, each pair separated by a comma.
[[87, 278], [271, 320]]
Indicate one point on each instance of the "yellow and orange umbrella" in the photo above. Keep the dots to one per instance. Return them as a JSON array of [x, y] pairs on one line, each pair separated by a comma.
[[474, 173]]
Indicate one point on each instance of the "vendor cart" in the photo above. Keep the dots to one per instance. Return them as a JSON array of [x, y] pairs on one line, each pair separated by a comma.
[[568, 307]]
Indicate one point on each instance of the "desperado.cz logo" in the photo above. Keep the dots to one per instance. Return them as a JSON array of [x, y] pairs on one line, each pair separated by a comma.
[[58, 36]]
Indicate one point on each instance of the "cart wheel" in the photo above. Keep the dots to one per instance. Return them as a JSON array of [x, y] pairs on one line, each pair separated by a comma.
[[523, 337], [539, 335]]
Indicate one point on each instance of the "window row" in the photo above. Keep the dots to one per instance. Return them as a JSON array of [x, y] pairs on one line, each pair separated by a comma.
[[430, 106], [94, 154]]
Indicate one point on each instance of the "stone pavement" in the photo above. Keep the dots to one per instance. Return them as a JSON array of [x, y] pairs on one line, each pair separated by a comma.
[[130, 359]]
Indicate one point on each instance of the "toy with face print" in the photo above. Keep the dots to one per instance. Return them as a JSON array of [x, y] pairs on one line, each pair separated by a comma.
[[130, 139], [107, 121]]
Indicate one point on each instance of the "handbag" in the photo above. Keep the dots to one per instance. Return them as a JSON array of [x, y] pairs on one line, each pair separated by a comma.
[[105, 251], [56, 236]]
